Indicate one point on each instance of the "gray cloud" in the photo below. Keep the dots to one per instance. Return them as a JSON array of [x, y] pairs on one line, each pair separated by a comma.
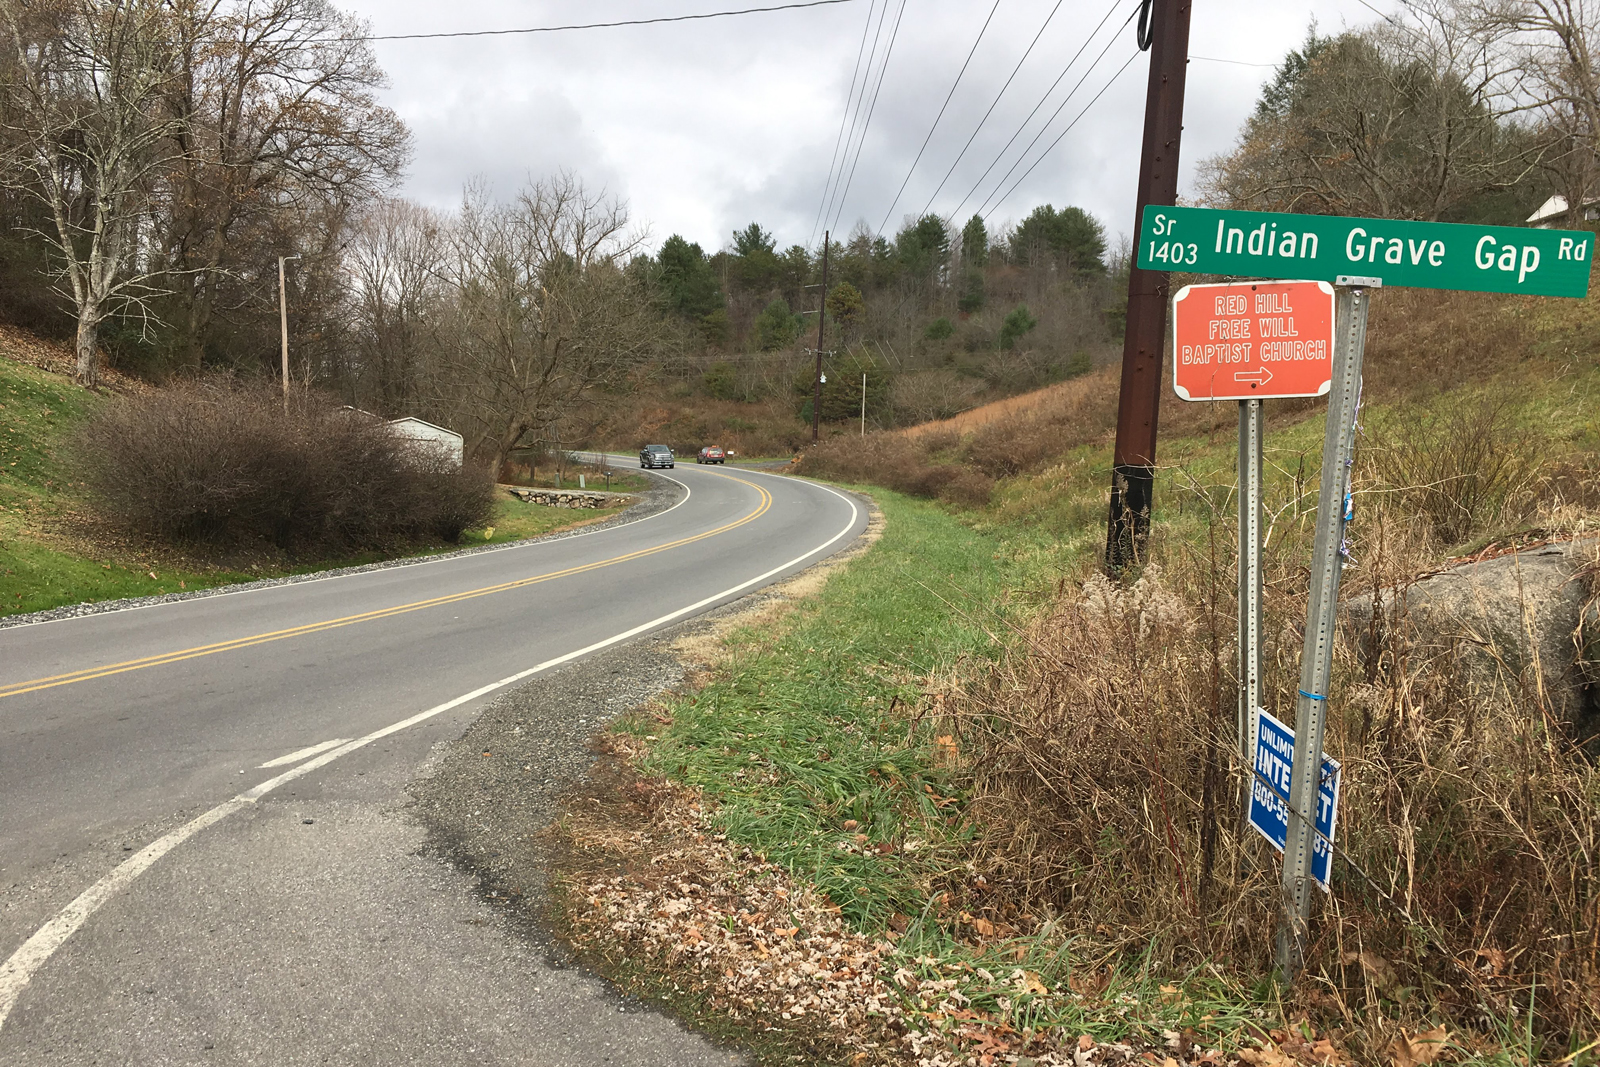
[[705, 126]]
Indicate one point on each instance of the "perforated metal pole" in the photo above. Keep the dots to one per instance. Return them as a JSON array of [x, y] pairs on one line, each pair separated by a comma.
[[1251, 429], [1316, 659]]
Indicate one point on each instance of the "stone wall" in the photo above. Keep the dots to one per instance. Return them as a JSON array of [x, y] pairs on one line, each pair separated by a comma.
[[567, 498]]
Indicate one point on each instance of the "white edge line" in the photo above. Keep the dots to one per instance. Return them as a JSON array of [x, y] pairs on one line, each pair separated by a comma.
[[450, 557], [303, 753], [19, 969]]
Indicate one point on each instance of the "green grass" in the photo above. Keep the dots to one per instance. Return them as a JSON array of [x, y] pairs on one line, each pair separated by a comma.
[[806, 743], [798, 736], [516, 521], [35, 577], [622, 480]]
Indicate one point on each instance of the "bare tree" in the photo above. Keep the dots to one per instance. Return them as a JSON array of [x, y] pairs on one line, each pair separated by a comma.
[[91, 130], [541, 312], [1553, 44], [393, 263], [277, 106]]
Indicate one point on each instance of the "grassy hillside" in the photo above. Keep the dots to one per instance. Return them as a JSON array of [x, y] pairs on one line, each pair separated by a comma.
[[55, 550], [1061, 796]]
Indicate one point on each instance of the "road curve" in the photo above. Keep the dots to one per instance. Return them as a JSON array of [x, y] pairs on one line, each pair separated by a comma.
[[130, 740]]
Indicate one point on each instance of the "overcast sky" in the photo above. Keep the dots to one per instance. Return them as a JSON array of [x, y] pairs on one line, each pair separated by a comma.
[[705, 126]]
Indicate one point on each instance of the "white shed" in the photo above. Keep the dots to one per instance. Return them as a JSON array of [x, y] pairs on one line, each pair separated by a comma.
[[426, 435], [1554, 214]]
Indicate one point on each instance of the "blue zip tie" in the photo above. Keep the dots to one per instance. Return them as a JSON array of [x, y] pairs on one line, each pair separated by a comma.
[[1310, 696]]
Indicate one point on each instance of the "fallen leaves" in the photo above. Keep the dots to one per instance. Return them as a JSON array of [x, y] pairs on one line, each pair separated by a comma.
[[1420, 1050], [1269, 1055], [1379, 971], [1030, 982]]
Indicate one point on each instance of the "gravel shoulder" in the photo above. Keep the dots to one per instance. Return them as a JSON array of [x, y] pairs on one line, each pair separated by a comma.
[[490, 798]]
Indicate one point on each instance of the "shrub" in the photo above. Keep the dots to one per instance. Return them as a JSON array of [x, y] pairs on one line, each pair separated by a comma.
[[1462, 465], [777, 327], [217, 465], [721, 381], [939, 329], [1016, 325]]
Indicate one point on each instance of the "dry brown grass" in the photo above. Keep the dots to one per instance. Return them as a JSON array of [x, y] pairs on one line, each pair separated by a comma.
[[1107, 786], [959, 462], [1027, 405]]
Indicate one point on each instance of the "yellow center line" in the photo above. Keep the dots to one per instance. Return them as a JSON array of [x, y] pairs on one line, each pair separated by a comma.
[[104, 670]]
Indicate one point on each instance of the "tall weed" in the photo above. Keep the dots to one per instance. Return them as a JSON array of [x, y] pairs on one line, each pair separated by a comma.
[[1107, 783]]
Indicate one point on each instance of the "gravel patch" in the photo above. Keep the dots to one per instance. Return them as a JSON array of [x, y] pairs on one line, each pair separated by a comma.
[[661, 496]]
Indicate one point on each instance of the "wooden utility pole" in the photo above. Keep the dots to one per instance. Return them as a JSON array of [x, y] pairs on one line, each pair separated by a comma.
[[283, 328], [822, 318], [1164, 29]]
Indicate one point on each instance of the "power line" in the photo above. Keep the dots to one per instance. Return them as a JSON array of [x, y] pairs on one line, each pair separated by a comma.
[[1042, 100], [1064, 132], [948, 97], [590, 25], [855, 118], [1235, 62], [844, 117], [882, 71], [983, 208], [993, 104]]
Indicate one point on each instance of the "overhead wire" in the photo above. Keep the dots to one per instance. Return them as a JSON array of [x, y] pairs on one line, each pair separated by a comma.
[[867, 126], [590, 25], [1109, 82], [855, 117], [992, 105], [1235, 62], [942, 107], [1042, 101], [984, 206], [844, 118]]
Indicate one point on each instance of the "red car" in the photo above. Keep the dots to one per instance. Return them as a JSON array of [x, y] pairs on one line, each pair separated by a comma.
[[711, 454]]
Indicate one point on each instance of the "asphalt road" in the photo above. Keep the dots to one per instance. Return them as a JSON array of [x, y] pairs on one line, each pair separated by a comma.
[[204, 853]]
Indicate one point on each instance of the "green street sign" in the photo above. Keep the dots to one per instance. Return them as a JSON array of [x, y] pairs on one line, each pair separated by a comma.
[[1423, 255]]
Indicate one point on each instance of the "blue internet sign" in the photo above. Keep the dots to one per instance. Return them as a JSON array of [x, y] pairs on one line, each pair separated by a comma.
[[1269, 788]]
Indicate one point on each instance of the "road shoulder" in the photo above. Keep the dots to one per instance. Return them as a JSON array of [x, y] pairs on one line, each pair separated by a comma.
[[499, 802]]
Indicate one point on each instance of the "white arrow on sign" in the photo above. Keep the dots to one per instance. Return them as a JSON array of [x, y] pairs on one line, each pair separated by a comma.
[[1259, 376]]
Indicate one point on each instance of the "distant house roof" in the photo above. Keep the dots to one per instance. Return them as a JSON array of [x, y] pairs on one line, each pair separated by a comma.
[[352, 410], [414, 421], [1555, 210]]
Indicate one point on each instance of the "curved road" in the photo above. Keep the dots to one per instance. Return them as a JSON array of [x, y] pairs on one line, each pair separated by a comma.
[[162, 902]]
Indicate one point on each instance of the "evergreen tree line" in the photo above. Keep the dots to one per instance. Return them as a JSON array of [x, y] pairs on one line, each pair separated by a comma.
[[938, 316]]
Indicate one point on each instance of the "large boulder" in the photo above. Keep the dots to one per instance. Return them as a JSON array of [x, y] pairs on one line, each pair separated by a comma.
[[1521, 628]]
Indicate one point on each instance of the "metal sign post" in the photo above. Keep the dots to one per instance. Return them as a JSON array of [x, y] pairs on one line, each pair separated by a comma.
[[1316, 661], [1249, 341], [1251, 429]]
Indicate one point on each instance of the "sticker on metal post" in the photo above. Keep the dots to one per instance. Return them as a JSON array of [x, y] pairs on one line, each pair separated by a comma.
[[1252, 340], [1269, 792]]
